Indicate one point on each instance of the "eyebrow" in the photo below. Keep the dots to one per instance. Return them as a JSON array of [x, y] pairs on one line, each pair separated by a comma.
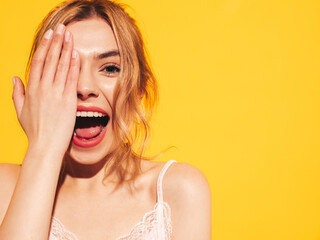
[[107, 54]]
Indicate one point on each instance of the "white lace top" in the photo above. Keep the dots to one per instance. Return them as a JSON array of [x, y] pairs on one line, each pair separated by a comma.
[[155, 225]]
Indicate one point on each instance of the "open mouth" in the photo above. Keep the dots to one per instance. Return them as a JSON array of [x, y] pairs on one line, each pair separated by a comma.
[[90, 128]]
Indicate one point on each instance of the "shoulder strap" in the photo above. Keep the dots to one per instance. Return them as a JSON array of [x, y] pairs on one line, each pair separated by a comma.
[[160, 178]]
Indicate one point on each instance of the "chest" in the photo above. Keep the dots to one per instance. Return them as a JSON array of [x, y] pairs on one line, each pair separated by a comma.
[[153, 225], [109, 217]]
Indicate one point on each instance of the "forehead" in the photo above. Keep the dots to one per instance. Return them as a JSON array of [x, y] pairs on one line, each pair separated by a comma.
[[92, 35]]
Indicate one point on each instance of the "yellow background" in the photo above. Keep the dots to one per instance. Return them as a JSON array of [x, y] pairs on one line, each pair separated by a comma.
[[240, 99]]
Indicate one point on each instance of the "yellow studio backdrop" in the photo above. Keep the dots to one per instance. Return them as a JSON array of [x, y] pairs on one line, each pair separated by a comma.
[[239, 98]]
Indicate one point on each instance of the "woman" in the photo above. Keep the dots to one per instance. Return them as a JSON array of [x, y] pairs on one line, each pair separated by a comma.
[[89, 95]]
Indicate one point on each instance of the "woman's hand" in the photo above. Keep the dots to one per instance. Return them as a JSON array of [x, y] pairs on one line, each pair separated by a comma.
[[47, 109]]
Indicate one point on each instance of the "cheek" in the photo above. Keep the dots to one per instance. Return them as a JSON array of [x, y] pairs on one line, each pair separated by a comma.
[[108, 89]]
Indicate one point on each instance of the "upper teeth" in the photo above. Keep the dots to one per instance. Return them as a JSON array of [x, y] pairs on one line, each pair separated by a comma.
[[89, 114]]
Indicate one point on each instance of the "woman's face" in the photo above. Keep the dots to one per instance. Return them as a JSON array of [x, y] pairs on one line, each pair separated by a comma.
[[99, 71]]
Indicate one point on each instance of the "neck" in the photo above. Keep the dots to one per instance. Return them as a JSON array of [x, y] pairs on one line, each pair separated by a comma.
[[83, 171], [76, 173], [89, 176]]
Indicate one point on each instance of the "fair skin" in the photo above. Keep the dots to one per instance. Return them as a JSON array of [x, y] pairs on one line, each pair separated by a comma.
[[47, 113]]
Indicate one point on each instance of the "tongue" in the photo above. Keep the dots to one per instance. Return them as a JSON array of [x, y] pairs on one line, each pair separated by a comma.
[[89, 132]]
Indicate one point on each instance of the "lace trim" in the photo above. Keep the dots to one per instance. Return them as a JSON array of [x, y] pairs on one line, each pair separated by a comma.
[[59, 232], [151, 223], [150, 226]]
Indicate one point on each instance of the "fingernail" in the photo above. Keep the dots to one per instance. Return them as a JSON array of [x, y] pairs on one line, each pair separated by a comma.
[[14, 81], [67, 36], [48, 34], [74, 54], [60, 28]]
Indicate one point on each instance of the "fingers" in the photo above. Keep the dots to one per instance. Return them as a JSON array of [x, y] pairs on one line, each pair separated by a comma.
[[18, 95], [64, 62], [73, 74], [53, 56], [53, 63], [38, 59]]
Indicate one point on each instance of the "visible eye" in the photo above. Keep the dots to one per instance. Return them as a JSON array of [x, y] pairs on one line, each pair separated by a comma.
[[111, 70]]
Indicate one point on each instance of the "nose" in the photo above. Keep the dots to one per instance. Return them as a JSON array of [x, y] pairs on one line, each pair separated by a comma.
[[86, 86]]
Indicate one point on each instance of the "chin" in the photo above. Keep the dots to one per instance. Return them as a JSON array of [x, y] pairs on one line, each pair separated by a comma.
[[85, 162], [89, 155], [85, 158]]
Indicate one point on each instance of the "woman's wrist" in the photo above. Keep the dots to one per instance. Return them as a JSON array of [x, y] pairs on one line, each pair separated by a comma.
[[39, 153]]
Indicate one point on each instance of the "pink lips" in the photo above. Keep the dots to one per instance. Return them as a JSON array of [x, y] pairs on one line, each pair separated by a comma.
[[91, 109], [86, 143]]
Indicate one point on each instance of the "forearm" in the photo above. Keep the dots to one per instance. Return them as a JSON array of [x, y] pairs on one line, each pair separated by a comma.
[[29, 213]]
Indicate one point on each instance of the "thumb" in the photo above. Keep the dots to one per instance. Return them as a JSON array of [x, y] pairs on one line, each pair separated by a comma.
[[18, 95]]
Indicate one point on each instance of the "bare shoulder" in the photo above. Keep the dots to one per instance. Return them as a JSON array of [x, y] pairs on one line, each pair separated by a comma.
[[184, 177], [187, 192], [9, 174], [188, 179]]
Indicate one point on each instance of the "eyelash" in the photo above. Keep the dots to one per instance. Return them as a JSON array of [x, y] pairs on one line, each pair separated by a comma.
[[111, 69]]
